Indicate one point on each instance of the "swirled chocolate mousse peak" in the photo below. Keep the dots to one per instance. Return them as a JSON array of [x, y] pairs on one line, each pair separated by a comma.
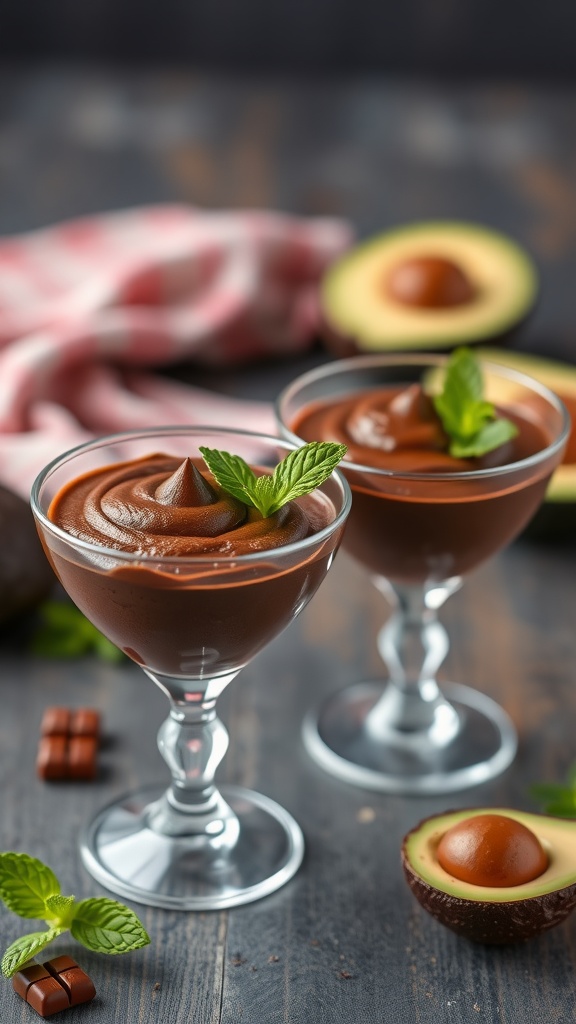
[[163, 505], [399, 425], [417, 429]]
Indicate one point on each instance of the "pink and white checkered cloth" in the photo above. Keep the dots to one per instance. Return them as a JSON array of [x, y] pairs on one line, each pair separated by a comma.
[[89, 306]]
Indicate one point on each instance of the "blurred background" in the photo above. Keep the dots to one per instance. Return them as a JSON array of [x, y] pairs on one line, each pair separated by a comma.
[[375, 112], [435, 37]]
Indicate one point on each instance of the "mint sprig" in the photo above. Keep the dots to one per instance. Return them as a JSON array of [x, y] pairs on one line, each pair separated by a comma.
[[30, 889], [64, 632], [299, 473], [557, 798], [26, 948], [472, 424]]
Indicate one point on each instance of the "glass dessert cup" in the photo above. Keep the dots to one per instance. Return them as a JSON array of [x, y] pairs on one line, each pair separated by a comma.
[[418, 534], [192, 623]]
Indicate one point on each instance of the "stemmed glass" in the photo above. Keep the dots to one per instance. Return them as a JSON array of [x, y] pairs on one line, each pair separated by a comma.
[[191, 622], [418, 533]]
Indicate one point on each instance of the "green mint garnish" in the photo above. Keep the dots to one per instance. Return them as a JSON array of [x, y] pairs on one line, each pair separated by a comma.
[[558, 799], [30, 889], [64, 632], [26, 884], [106, 926], [299, 473], [472, 424], [26, 948]]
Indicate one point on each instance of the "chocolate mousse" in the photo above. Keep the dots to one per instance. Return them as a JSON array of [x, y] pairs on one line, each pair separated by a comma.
[[165, 506], [424, 515], [183, 577]]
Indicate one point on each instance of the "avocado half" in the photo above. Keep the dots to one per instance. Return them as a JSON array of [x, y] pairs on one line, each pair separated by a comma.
[[360, 315], [25, 574], [494, 916], [556, 517]]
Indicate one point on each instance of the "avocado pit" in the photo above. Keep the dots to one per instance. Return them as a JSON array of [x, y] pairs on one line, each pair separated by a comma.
[[472, 843], [492, 849], [430, 282]]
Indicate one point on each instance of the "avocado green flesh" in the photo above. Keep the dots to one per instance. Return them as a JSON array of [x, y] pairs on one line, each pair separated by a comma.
[[557, 836], [560, 378], [356, 303]]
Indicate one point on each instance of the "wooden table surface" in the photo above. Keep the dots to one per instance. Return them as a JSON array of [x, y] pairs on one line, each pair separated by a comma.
[[344, 942]]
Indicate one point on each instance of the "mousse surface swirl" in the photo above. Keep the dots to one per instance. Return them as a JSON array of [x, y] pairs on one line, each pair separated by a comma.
[[399, 429], [424, 515], [165, 506]]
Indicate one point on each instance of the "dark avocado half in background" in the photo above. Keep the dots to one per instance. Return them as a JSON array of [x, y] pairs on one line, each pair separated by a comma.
[[25, 574], [431, 285], [494, 915], [556, 517]]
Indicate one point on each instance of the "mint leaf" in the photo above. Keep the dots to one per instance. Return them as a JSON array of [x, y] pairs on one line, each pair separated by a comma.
[[26, 884], [460, 405], [64, 632], [105, 649], [557, 798], [232, 473], [106, 926], [23, 949], [31, 889], [472, 424], [299, 473], [489, 437]]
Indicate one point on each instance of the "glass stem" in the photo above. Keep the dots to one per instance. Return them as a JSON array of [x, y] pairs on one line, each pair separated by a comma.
[[193, 742], [413, 644]]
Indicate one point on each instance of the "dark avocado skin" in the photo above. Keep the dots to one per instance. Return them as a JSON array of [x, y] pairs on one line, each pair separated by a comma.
[[494, 924], [490, 923], [25, 574], [553, 523]]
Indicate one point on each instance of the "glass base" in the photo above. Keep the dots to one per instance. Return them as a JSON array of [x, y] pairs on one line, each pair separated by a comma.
[[127, 857], [336, 738]]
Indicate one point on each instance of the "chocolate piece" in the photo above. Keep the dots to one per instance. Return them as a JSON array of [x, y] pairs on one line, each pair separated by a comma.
[[55, 722], [47, 996], [68, 744], [84, 722], [54, 985], [52, 759], [81, 757], [28, 974], [59, 963], [78, 985]]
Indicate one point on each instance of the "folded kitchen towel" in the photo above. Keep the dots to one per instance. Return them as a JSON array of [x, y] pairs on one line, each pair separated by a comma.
[[90, 306]]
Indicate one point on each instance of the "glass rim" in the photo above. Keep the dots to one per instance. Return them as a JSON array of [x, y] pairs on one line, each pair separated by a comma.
[[423, 359], [216, 557]]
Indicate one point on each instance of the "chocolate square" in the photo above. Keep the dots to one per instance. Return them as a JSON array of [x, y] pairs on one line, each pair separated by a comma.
[[82, 752], [78, 985], [55, 722], [84, 722], [52, 758], [59, 963], [47, 996], [53, 986], [27, 975]]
